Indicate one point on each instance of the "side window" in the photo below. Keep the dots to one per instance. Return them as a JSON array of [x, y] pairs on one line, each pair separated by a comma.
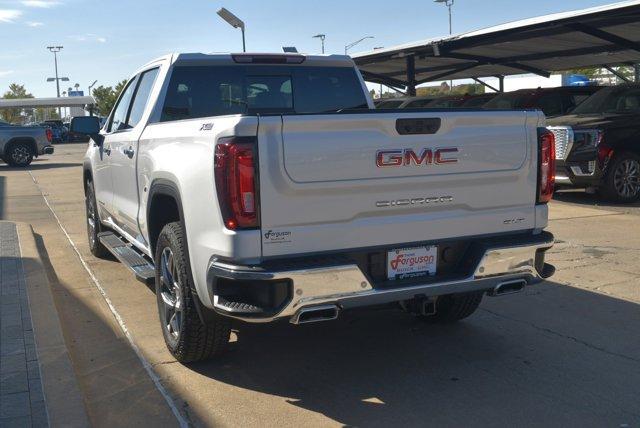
[[551, 105], [204, 91], [579, 98], [118, 121], [141, 97]]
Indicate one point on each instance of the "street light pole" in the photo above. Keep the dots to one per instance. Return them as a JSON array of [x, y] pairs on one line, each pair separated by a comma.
[[91, 86], [55, 50], [235, 22], [321, 37], [376, 48], [350, 45], [449, 4]]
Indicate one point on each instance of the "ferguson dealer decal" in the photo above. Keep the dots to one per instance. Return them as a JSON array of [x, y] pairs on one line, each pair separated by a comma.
[[273, 237]]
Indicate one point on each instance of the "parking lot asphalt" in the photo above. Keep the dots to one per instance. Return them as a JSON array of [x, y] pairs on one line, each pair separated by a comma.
[[563, 353]]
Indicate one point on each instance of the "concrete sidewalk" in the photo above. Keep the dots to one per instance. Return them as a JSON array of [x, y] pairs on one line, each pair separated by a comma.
[[115, 387], [32, 347]]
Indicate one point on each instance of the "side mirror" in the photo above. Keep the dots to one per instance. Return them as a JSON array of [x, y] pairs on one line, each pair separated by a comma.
[[87, 125]]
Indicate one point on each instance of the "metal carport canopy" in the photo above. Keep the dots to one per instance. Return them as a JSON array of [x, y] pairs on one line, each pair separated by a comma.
[[599, 36], [47, 102]]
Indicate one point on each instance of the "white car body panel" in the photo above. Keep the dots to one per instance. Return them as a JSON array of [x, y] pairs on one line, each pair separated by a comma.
[[318, 180], [320, 184]]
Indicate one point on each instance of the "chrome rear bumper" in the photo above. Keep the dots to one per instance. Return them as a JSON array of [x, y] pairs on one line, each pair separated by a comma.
[[346, 286]]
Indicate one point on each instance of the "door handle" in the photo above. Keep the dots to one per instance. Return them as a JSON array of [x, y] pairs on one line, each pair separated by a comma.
[[129, 152]]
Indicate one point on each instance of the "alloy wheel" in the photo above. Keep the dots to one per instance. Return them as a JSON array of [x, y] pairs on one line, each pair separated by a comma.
[[20, 154], [171, 295], [91, 219], [626, 178]]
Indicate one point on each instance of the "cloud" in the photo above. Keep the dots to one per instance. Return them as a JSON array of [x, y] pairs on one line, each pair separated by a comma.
[[34, 24], [9, 15], [89, 37], [41, 4], [5, 72]]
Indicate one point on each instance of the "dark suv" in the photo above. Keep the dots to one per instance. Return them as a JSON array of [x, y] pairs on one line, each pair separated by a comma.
[[552, 101], [598, 144]]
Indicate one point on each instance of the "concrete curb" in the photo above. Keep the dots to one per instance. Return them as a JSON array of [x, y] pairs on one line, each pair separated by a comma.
[[65, 406]]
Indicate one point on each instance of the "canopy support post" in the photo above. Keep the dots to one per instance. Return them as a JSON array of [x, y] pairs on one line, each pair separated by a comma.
[[617, 74], [485, 84], [501, 83], [411, 76]]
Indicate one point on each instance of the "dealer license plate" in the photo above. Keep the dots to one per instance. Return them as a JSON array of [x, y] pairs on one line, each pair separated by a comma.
[[412, 262]]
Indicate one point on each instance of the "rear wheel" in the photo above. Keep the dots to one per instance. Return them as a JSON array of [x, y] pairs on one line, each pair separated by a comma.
[[455, 307], [622, 183], [186, 336], [19, 154], [94, 227]]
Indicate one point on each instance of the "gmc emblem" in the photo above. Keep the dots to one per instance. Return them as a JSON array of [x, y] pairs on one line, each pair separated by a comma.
[[407, 157]]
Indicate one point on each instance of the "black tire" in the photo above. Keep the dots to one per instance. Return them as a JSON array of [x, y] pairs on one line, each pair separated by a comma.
[[19, 154], [94, 227], [186, 336], [622, 182], [455, 307]]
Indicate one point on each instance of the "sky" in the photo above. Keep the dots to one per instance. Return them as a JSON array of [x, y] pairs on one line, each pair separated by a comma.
[[108, 40]]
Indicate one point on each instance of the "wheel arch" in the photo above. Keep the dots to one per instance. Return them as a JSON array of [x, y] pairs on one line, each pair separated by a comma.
[[164, 206], [30, 141], [87, 175]]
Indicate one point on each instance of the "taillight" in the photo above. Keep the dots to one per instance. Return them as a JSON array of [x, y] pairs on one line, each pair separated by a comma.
[[546, 165], [236, 181], [605, 151], [49, 134]]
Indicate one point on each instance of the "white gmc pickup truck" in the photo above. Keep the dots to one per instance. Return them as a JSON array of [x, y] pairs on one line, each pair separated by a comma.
[[260, 187]]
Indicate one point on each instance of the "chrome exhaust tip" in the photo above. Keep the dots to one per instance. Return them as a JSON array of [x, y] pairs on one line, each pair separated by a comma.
[[508, 287], [315, 314]]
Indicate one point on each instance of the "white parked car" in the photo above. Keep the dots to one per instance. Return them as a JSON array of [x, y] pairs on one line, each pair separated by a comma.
[[259, 187]]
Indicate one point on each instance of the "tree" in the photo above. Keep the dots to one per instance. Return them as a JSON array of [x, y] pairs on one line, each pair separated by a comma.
[[13, 115], [443, 90], [106, 97]]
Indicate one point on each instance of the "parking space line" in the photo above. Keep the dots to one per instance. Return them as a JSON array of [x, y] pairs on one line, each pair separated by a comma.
[[147, 366]]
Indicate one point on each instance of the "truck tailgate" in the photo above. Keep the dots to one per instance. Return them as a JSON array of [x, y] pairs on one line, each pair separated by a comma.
[[354, 180]]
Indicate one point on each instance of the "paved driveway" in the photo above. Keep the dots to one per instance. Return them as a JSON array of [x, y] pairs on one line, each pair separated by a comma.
[[564, 353]]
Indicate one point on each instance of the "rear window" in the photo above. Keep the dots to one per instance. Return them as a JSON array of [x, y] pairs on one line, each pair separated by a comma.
[[445, 103], [419, 103], [475, 102], [508, 101], [390, 104], [203, 91], [617, 99]]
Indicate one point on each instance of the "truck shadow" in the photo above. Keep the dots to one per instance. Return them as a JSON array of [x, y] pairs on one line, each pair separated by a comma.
[[554, 354], [40, 166], [116, 388], [583, 198]]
